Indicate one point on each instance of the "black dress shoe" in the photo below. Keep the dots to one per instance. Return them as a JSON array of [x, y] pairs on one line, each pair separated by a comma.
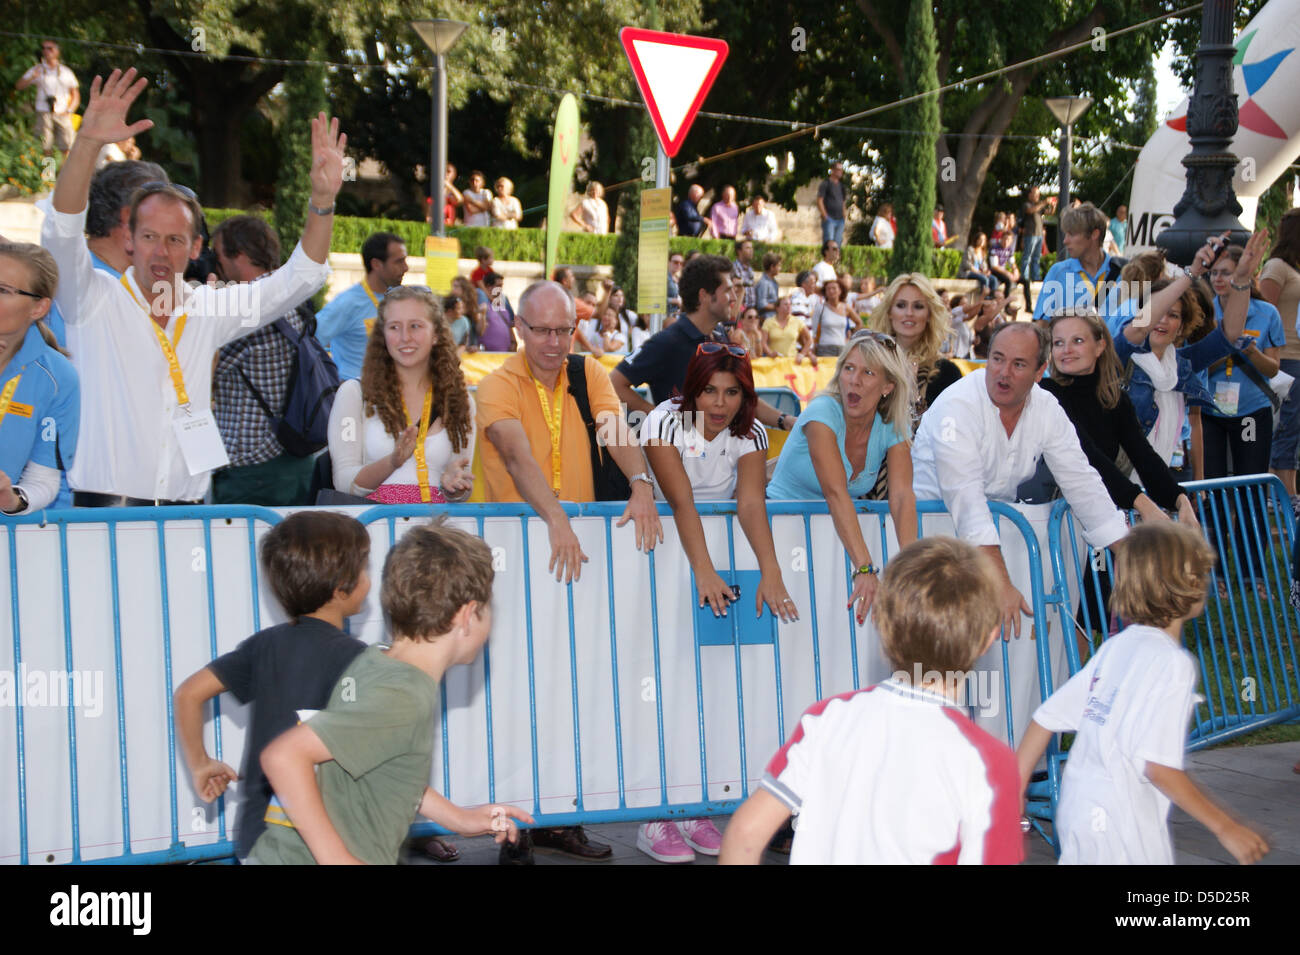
[[572, 841], [518, 853]]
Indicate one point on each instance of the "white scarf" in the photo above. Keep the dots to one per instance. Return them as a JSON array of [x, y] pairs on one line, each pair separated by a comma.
[[1167, 433]]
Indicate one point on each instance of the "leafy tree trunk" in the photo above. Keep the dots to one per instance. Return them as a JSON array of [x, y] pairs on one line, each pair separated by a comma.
[[221, 93], [305, 94], [914, 202]]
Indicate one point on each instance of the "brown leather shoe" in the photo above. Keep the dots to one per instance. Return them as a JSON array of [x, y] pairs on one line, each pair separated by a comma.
[[572, 841]]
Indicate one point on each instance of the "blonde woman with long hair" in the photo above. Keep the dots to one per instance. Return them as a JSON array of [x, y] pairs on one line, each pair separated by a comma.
[[861, 421], [914, 314]]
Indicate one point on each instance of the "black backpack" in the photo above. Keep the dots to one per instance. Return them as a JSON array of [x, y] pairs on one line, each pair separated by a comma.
[[302, 424], [610, 482]]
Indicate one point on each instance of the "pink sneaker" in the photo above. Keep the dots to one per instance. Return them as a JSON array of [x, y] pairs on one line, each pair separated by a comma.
[[662, 842], [702, 836]]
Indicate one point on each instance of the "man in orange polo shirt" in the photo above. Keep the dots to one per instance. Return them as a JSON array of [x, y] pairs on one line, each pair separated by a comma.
[[537, 450]]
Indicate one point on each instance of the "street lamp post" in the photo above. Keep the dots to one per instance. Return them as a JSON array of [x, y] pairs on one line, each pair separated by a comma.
[[1067, 110], [439, 36], [1209, 205]]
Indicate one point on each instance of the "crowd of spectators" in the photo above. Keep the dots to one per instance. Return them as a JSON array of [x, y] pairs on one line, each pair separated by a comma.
[[137, 361]]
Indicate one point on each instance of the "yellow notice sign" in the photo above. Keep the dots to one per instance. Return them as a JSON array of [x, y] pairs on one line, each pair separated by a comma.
[[652, 252], [440, 262]]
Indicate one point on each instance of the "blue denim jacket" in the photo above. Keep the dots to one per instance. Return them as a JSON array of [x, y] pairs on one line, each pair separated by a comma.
[[1192, 360]]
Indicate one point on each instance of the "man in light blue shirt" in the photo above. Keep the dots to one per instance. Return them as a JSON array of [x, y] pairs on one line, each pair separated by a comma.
[[343, 326], [1089, 277]]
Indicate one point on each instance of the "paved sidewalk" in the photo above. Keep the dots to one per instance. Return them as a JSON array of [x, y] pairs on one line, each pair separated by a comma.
[[1255, 782]]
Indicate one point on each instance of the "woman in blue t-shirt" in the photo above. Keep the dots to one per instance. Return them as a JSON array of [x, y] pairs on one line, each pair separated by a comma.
[[1241, 420], [862, 419], [40, 396]]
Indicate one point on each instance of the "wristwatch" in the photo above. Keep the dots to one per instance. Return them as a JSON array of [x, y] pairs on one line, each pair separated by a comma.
[[23, 502], [327, 211], [642, 477], [1238, 288]]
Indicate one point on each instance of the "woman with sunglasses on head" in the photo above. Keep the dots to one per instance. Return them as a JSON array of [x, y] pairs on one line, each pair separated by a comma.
[[861, 420], [37, 383], [706, 445], [748, 335], [404, 433]]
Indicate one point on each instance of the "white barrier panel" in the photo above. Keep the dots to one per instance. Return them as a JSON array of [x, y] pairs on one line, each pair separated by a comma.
[[701, 713]]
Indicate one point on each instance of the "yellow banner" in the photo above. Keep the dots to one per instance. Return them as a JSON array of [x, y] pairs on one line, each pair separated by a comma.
[[652, 253], [440, 262]]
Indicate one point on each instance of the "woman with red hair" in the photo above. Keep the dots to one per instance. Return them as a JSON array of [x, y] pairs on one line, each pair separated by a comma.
[[706, 445]]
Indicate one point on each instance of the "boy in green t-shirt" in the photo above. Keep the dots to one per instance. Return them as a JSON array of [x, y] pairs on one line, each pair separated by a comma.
[[350, 779]]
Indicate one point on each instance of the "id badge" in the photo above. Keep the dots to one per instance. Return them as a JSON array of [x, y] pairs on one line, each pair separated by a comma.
[[1227, 395], [200, 441]]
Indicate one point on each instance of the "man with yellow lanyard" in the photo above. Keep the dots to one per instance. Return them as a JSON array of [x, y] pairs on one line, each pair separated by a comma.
[[538, 450], [143, 344], [1088, 276], [343, 326]]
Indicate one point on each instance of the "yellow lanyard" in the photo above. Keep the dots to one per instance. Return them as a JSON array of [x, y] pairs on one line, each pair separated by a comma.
[[7, 396], [168, 348], [370, 322], [553, 413], [1092, 286], [421, 464]]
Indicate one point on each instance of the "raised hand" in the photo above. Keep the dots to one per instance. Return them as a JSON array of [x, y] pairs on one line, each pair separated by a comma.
[[327, 157], [1251, 257], [105, 118]]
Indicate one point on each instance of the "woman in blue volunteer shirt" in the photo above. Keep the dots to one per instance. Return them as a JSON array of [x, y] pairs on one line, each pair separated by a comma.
[[1242, 417], [40, 398], [861, 419]]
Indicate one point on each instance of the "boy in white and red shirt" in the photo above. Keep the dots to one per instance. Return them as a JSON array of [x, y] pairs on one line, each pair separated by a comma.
[[1129, 707], [897, 773]]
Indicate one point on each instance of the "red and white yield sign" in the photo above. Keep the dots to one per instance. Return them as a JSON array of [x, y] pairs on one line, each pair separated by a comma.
[[674, 73]]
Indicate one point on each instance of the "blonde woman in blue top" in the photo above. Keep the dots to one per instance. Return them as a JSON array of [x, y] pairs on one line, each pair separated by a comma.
[[863, 418], [40, 398]]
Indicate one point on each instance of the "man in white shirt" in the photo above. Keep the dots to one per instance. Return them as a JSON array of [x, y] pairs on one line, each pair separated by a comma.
[[825, 269], [759, 224], [57, 97], [984, 436], [144, 344]]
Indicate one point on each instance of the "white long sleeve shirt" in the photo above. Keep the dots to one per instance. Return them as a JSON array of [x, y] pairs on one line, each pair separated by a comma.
[[963, 456], [127, 444]]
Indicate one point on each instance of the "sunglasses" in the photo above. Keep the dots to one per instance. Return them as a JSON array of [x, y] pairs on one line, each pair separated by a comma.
[[6, 290], [867, 334], [712, 348]]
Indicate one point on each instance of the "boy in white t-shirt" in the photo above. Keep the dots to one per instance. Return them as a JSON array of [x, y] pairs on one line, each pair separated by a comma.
[[897, 773], [1129, 706]]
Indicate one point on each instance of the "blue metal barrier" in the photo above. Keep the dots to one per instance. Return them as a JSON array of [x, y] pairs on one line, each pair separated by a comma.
[[1245, 639], [809, 660]]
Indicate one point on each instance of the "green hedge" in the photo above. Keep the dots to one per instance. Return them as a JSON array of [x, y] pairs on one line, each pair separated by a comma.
[[579, 248]]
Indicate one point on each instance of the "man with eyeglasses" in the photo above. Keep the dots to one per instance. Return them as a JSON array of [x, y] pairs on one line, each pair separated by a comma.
[[343, 326], [538, 450], [57, 97], [708, 297], [144, 344]]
